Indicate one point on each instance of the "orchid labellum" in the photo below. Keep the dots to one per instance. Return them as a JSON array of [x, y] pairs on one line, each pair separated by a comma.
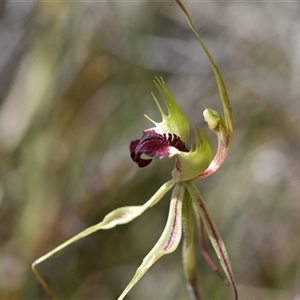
[[168, 138]]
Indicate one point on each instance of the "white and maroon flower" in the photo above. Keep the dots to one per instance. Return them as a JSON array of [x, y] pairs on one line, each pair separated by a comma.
[[169, 137]]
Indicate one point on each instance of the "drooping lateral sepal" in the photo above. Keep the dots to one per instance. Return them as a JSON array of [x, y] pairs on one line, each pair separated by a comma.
[[118, 216], [169, 240], [174, 121], [213, 233], [188, 248]]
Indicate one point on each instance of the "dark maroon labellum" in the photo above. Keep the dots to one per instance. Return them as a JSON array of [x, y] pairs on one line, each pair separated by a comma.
[[154, 145]]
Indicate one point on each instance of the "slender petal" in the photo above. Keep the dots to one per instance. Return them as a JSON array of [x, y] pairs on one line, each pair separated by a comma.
[[213, 234], [188, 248], [119, 216], [169, 240]]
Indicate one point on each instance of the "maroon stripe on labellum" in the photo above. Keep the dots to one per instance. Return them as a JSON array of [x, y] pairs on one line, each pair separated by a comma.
[[155, 145]]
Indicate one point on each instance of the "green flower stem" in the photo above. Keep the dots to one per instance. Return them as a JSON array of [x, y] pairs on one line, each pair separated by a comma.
[[169, 240], [213, 234], [188, 248]]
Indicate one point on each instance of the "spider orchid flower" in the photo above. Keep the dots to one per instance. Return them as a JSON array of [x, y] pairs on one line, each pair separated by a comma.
[[168, 138]]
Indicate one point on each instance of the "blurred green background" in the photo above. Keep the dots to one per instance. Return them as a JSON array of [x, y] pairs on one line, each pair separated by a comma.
[[75, 81]]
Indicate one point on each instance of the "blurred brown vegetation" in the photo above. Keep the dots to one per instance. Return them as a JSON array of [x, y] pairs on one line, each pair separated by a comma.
[[75, 81]]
